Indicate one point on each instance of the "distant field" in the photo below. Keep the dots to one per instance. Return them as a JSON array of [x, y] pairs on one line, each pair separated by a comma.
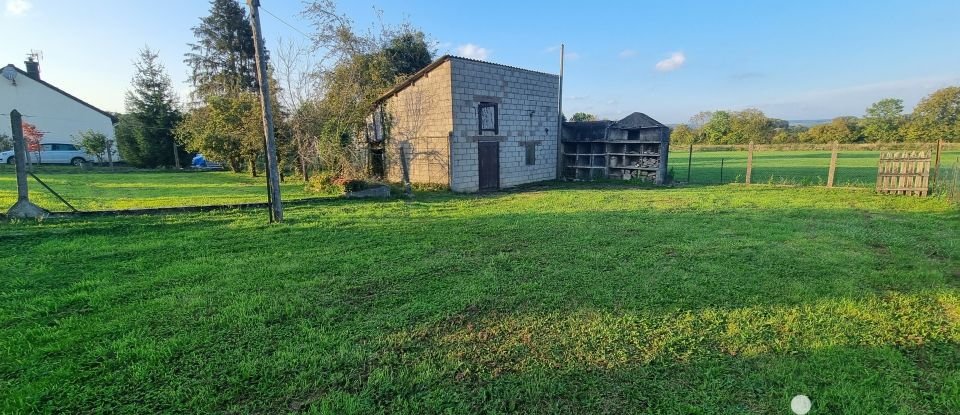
[[854, 168], [125, 188], [102, 189]]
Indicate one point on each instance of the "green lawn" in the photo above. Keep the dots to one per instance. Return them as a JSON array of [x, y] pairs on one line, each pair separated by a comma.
[[103, 189], [571, 298], [854, 168]]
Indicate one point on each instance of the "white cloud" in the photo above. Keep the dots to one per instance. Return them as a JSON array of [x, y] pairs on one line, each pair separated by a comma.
[[571, 55], [674, 62], [473, 51], [551, 49], [18, 7], [627, 53]]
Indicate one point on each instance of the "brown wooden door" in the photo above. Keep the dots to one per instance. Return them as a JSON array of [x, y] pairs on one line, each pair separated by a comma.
[[488, 153]]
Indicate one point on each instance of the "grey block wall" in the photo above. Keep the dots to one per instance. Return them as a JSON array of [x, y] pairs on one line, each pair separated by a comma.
[[527, 104]]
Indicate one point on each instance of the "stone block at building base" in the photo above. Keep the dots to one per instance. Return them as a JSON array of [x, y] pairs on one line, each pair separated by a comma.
[[378, 192]]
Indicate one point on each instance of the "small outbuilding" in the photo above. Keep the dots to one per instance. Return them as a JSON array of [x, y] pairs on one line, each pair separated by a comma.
[[468, 124], [634, 148]]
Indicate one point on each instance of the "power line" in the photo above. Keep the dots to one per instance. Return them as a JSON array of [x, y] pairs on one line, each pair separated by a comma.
[[285, 22]]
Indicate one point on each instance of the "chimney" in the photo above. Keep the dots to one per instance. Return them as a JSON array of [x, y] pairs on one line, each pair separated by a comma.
[[33, 68]]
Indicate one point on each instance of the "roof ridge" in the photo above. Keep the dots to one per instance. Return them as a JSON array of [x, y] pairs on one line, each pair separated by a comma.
[[112, 117], [433, 65]]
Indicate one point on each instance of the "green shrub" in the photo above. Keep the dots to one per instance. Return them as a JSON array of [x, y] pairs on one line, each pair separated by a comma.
[[325, 183]]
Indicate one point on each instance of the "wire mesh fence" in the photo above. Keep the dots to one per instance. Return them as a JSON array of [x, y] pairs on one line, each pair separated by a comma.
[[121, 188], [856, 166]]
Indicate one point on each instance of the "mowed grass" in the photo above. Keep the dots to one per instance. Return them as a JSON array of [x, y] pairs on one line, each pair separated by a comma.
[[569, 298], [125, 188], [854, 168]]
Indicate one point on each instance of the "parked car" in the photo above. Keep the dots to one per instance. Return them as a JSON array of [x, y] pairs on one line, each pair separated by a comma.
[[53, 153]]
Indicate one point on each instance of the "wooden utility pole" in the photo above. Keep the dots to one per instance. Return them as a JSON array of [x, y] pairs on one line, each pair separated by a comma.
[[273, 172], [833, 165], [560, 119], [176, 156], [749, 162], [23, 208], [689, 162]]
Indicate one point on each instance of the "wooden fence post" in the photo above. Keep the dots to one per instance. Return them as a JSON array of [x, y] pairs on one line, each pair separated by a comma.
[[749, 162], [936, 163], [833, 165], [23, 208]]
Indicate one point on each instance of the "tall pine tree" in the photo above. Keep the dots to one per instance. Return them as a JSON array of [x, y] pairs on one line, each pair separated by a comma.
[[145, 135], [223, 59]]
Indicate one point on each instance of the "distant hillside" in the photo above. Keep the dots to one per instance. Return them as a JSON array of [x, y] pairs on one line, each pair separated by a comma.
[[806, 123], [793, 123]]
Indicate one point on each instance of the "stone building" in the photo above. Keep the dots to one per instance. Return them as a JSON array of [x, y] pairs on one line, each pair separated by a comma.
[[469, 125]]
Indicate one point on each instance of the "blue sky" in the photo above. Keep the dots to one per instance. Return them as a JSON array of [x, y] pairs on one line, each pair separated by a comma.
[[669, 59]]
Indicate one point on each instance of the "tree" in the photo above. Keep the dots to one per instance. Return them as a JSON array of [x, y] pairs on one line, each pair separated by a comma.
[[682, 134], [223, 59], [749, 125], [883, 120], [717, 129], [225, 128], [145, 135], [363, 65], [583, 116], [94, 143], [697, 122], [840, 129], [31, 138], [936, 117], [296, 69], [407, 53], [6, 143]]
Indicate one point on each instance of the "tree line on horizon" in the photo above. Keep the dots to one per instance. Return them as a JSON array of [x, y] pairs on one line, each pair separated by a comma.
[[320, 110], [936, 117]]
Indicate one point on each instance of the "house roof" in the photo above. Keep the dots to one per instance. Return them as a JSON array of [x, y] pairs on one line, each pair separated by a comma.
[[433, 65], [112, 117], [633, 121], [638, 120]]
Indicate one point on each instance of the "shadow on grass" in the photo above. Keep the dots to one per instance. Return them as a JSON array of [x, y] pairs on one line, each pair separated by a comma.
[[616, 302]]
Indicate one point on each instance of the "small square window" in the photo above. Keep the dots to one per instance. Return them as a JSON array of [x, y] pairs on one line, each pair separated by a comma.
[[531, 154], [488, 118]]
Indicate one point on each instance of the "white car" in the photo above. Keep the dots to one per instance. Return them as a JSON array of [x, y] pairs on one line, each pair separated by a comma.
[[53, 153]]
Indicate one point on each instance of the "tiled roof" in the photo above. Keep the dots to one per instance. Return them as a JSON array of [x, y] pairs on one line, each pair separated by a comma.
[[638, 120]]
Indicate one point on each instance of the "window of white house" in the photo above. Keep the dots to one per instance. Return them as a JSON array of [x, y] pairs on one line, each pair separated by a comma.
[[488, 118]]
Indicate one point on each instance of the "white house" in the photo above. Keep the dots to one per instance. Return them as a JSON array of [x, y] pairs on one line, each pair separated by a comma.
[[52, 110]]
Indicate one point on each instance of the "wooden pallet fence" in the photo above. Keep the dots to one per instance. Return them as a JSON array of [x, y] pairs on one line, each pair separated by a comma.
[[904, 173]]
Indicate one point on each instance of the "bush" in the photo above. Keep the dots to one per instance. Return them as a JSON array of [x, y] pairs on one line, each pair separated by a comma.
[[325, 183], [6, 143], [94, 143]]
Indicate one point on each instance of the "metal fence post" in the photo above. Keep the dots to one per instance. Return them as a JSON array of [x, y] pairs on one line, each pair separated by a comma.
[[721, 170]]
